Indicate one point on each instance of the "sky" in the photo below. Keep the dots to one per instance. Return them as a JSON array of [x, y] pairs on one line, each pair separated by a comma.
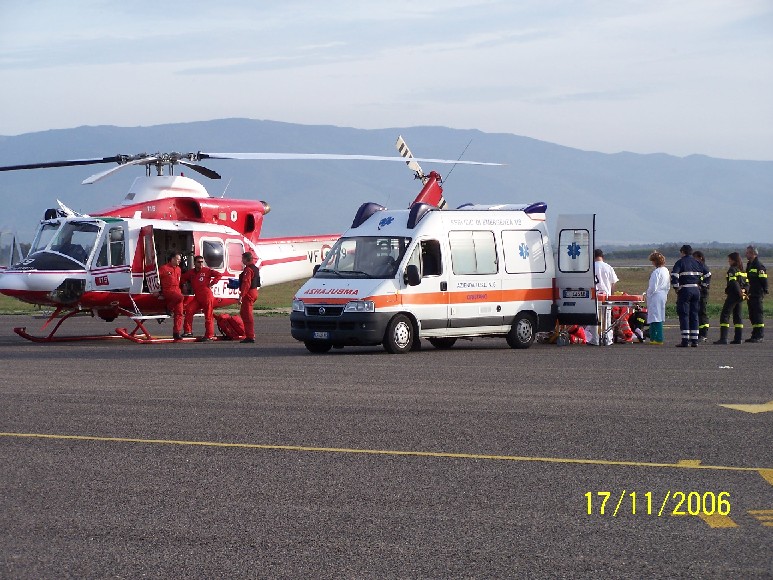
[[652, 76]]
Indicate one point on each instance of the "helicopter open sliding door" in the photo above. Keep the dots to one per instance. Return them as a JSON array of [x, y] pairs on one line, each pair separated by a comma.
[[575, 277], [145, 265]]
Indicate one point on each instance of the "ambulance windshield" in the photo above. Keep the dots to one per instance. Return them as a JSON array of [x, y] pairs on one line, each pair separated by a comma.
[[364, 257]]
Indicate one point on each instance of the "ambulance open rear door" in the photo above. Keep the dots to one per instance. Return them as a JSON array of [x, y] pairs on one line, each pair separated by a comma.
[[575, 297]]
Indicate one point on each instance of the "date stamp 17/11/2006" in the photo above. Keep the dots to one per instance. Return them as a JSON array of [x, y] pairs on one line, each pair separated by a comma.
[[670, 503]]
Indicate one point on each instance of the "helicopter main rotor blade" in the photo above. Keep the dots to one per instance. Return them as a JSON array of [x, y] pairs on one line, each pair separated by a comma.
[[330, 156], [98, 176], [66, 163], [200, 168]]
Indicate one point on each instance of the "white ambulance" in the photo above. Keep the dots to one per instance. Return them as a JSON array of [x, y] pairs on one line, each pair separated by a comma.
[[397, 276]]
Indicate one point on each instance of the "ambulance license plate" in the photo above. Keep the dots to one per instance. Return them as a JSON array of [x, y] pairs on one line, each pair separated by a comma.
[[322, 335], [576, 293]]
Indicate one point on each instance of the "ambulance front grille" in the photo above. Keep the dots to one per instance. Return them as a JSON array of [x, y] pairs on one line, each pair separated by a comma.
[[324, 310]]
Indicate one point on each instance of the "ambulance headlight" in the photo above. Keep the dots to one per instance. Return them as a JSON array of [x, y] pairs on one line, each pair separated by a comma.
[[360, 306], [298, 306]]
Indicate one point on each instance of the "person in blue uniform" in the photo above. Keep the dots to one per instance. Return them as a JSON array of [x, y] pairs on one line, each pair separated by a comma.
[[686, 278]]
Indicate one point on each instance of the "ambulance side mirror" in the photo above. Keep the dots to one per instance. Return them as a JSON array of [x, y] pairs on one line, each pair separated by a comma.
[[412, 276]]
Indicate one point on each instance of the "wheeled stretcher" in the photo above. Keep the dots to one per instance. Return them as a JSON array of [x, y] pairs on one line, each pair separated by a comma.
[[605, 305]]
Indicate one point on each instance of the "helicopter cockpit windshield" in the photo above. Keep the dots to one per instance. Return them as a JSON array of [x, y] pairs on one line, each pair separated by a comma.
[[60, 243], [364, 257]]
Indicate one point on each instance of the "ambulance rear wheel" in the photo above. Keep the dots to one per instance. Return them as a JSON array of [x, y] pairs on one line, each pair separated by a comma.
[[318, 346], [442, 343], [523, 331], [398, 338]]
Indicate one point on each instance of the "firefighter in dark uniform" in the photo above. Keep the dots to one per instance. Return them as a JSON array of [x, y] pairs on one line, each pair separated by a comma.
[[734, 297], [686, 277], [758, 287], [703, 317]]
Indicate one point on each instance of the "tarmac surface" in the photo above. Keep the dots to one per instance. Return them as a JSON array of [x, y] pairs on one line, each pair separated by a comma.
[[219, 459]]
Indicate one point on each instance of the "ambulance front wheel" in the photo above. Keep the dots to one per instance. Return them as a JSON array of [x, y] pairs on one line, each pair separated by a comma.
[[318, 346], [523, 331], [398, 338]]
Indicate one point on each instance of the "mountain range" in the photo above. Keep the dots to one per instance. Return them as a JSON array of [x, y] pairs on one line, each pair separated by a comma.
[[638, 198]]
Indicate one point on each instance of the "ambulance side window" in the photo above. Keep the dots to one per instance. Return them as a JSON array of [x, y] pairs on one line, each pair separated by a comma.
[[426, 257], [473, 252], [431, 263], [524, 251]]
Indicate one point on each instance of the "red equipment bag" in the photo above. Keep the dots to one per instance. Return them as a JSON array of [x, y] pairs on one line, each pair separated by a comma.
[[231, 327]]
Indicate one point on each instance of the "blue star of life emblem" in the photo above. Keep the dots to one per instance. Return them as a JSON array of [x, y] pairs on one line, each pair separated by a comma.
[[523, 250], [385, 222], [573, 250]]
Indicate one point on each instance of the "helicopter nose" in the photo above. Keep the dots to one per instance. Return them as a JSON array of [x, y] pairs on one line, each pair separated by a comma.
[[40, 287], [15, 284]]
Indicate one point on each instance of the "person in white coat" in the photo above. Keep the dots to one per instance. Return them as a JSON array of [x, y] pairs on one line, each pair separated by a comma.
[[657, 293]]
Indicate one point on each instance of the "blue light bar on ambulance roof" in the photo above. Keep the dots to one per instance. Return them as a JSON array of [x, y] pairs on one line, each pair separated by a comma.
[[536, 207]]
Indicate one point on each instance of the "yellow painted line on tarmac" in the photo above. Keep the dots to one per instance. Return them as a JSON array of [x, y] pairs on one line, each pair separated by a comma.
[[717, 521], [752, 408], [767, 475], [765, 517], [689, 464]]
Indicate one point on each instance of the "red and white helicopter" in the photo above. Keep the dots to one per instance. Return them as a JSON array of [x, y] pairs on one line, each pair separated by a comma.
[[106, 263]]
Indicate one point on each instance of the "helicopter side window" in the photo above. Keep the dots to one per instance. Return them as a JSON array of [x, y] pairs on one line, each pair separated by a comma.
[[213, 253], [235, 251], [102, 258], [117, 246]]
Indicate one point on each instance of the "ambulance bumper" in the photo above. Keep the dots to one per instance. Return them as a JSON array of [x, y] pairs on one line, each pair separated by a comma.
[[346, 329]]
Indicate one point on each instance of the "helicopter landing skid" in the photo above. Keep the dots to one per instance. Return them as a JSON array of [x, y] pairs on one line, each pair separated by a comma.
[[22, 331]]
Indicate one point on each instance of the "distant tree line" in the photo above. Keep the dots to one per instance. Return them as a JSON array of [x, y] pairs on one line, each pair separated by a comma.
[[711, 250]]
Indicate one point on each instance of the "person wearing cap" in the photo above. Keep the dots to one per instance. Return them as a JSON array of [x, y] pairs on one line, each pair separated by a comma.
[[201, 279], [249, 282], [606, 279], [686, 278], [758, 287]]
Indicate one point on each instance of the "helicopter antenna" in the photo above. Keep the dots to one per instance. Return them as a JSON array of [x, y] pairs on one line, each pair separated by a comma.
[[459, 159], [227, 185]]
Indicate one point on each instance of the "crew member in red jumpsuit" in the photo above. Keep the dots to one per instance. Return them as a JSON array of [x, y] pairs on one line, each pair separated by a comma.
[[249, 282], [170, 274], [201, 279]]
